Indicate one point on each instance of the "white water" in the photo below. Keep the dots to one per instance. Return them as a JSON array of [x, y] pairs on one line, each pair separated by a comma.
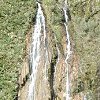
[[84, 97], [45, 45], [35, 50], [68, 52]]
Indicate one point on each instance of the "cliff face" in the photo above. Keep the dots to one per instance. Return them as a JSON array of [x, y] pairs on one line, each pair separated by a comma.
[[83, 28]]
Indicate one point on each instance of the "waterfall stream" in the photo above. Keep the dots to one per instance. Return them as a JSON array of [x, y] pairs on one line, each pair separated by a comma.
[[68, 52], [35, 54], [35, 50]]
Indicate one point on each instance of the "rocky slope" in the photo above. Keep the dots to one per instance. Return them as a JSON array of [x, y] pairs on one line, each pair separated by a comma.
[[84, 59]]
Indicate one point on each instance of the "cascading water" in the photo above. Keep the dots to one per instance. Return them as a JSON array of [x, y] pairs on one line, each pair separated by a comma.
[[45, 45], [35, 50], [68, 52], [84, 97]]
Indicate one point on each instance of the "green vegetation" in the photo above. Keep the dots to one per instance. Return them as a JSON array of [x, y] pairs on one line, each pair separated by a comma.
[[15, 19], [85, 19], [53, 10]]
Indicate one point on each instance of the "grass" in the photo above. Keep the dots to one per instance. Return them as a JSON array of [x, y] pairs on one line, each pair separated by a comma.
[[15, 18]]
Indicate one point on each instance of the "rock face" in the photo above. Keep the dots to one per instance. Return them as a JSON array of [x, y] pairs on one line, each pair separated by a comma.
[[50, 83], [24, 72]]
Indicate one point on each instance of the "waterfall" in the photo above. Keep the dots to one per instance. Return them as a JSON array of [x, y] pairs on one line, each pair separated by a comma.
[[84, 97], [68, 52], [35, 50]]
